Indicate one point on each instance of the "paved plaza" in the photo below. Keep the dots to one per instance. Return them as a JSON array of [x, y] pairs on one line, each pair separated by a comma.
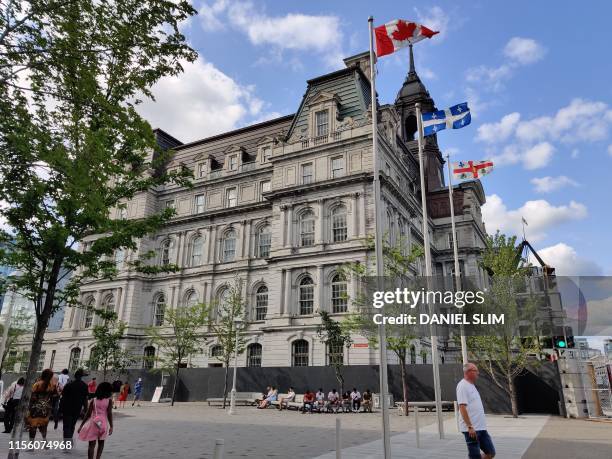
[[189, 430]]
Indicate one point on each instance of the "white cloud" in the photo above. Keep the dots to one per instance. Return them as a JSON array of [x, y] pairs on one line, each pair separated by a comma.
[[209, 14], [549, 184], [524, 50], [435, 18], [531, 157], [200, 102], [567, 262], [497, 132], [581, 120], [540, 216], [321, 34], [519, 52]]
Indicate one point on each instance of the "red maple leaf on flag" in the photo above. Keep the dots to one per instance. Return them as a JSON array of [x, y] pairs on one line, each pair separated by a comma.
[[405, 30]]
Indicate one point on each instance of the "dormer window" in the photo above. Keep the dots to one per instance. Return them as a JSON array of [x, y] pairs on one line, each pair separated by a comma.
[[201, 170], [322, 122], [266, 153], [233, 162]]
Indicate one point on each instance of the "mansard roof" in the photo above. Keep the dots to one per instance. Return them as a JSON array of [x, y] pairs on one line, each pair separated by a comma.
[[349, 86]]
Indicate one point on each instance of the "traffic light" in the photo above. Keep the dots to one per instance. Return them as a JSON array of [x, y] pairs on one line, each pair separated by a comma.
[[569, 338], [559, 342]]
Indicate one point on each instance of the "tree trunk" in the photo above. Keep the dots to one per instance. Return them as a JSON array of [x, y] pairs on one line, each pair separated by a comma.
[[404, 385], [512, 392], [30, 376], [339, 378], [175, 385], [225, 384]]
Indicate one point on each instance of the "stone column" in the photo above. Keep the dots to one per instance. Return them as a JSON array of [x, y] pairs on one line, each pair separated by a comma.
[[356, 212], [287, 306], [283, 225], [246, 248], [289, 228], [212, 244], [180, 249], [319, 223], [320, 290], [362, 215]]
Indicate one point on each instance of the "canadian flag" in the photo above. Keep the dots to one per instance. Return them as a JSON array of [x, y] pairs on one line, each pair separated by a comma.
[[398, 34]]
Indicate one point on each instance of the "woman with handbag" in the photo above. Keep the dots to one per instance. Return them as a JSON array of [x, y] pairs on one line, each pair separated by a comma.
[[98, 421], [11, 401], [41, 404]]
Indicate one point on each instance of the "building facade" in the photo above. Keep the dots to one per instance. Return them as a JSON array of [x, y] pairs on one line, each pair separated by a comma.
[[282, 205]]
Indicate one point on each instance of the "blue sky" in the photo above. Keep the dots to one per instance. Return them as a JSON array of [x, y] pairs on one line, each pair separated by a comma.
[[537, 79]]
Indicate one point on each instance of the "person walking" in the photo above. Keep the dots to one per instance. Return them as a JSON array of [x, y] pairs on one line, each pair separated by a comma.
[[472, 421], [91, 387], [123, 394], [97, 424], [41, 404], [11, 400], [116, 391], [137, 392], [73, 401]]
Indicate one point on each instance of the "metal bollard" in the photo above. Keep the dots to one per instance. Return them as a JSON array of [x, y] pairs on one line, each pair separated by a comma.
[[219, 448], [416, 426], [338, 439]]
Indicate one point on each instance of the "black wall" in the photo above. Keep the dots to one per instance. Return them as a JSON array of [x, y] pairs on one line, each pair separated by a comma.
[[538, 390]]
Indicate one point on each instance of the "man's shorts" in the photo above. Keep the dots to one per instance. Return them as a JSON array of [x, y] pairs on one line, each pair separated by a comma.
[[481, 442]]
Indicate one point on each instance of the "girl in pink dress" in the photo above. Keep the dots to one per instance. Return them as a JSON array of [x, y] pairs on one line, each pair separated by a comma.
[[98, 421]]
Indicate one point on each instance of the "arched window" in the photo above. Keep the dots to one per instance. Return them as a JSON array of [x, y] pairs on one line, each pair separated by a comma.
[[228, 246], [89, 313], [197, 246], [264, 241], [75, 359], [335, 353], [338, 222], [164, 253], [159, 310], [191, 299], [261, 303], [119, 258], [306, 296], [339, 294], [148, 358], [412, 354], [108, 305], [411, 127], [94, 359], [216, 351], [254, 355], [307, 228], [299, 353]]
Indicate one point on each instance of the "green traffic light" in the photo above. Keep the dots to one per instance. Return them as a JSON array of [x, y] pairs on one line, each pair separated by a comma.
[[561, 343]]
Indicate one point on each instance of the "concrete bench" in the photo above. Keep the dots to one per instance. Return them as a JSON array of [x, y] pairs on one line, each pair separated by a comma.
[[242, 398], [424, 406]]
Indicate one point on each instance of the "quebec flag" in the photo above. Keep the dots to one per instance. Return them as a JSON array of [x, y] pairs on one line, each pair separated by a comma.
[[455, 117]]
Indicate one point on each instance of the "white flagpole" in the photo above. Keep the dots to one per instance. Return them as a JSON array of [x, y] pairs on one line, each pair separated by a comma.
[[464, 355], [428, 275], [382, 334]]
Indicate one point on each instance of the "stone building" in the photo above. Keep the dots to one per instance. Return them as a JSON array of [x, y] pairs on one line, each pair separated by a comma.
[[281, 205]]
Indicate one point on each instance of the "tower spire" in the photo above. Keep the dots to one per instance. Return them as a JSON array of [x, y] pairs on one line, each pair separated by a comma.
[[412, 69]]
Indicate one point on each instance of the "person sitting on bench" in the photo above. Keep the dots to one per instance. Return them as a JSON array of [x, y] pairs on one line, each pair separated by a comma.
[[309, 399], [272, 397], [286, 399], [367, 401], [333, 401], [346, 402], [320, 400], [356, 398]]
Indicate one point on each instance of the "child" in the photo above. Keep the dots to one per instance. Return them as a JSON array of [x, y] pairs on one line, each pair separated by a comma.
[[99, 419]]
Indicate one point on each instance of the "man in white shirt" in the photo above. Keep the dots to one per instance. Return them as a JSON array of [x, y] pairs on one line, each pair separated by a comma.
[[472, 421], [320, 399], [356, 398]]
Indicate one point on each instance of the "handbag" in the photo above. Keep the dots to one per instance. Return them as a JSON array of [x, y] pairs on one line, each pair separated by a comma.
[[96, 419]]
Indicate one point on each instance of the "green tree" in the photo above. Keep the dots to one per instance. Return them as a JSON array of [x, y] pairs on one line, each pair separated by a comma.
[[72, 146], [230, 308], [502, 352], [336, 337], [20, 324], [107, 353], [178, 338], [398, 266]]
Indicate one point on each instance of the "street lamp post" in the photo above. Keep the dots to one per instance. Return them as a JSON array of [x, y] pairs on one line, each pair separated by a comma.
[[232, 410]]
